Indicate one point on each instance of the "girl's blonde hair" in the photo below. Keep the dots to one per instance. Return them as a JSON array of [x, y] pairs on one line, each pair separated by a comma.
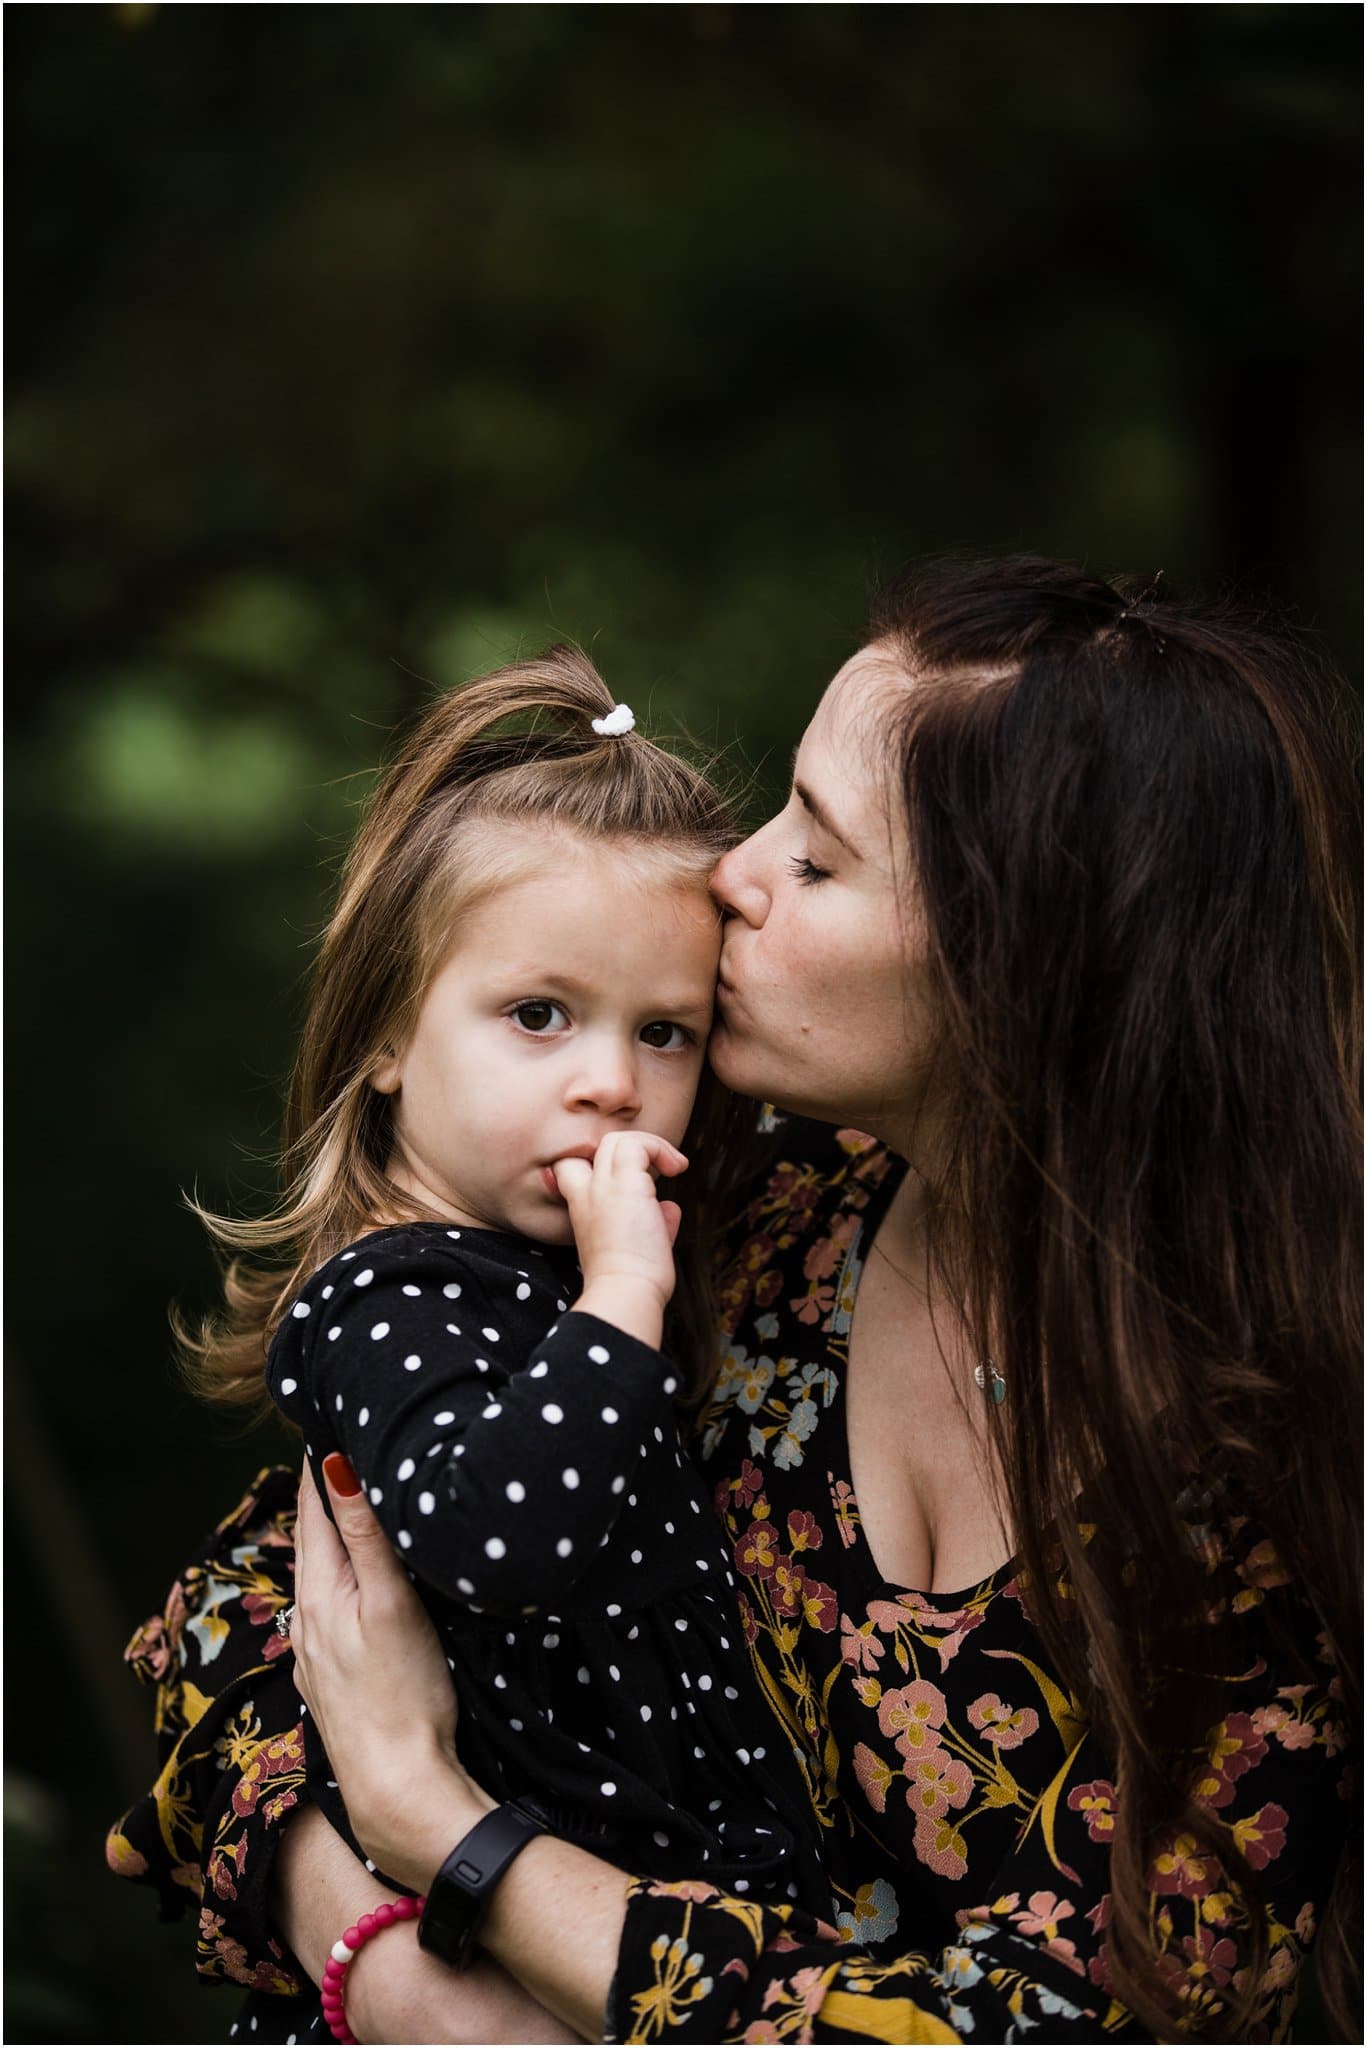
[[516, 746]]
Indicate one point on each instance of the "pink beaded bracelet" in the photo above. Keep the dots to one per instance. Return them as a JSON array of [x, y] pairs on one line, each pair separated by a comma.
[[344, 1954]]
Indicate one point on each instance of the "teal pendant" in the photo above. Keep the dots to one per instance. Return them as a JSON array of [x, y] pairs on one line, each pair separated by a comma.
[[997, 1383]]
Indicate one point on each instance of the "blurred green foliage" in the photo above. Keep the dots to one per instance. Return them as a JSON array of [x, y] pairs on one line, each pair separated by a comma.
[[354, 348]]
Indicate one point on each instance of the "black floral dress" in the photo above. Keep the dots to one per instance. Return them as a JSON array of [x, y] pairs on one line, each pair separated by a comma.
[[966, 1809]]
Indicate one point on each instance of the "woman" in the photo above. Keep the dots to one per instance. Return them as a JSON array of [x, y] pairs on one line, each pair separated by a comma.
[[1036, 1428]]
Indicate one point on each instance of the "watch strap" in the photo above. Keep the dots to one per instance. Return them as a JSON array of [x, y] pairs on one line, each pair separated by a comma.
[[459, 1894]]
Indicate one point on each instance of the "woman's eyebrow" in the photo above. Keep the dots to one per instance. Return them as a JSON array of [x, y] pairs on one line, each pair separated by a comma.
[[811, 803]]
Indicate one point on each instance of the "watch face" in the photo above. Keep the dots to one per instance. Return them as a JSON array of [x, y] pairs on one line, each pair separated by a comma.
[[461, 1889]]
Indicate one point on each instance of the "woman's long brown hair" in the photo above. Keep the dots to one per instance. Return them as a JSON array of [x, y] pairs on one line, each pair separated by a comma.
[[1133, 849], [514, 747]]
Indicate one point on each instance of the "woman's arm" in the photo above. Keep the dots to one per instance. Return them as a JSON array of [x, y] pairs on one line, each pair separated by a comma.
[[395, 1990]]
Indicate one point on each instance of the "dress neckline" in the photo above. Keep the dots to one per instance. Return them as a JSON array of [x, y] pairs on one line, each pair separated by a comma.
[[868, 1221]]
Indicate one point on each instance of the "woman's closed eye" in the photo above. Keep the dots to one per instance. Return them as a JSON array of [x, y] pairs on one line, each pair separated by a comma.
[[807, 871]]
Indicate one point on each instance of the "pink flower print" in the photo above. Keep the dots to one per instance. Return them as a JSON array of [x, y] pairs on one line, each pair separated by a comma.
[[762, 2030], [1099, 1915], [913, 1715], [867, 1691], [940, 1846], [1007, 1727], [1296, 1735], [819, 1608], [886, 1614], [1294, 1692], [757, 1551], [1235, 1747], [1180, 1869], [1262, 1836], [949, 1645], [814, 1306], [1043, 1914], [937, 1782], [843, 1501], [1305, 1924], [858, 1646], [1267, 1720], [804, 1531], [873, 1776]]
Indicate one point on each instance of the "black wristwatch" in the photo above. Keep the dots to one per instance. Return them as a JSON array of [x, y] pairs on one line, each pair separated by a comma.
[[460, 1892]]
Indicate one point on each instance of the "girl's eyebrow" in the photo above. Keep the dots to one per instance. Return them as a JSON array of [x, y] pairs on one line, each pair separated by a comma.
[[811, 803]]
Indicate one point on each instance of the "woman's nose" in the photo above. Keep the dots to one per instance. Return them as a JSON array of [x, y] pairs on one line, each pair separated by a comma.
[[606, 1080], [736, 882]]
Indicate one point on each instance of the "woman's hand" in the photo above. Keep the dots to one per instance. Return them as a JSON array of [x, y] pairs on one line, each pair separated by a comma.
[[623, 1232], [374, 1677]]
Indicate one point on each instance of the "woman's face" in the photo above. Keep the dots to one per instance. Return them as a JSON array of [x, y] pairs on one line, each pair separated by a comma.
[[821, 1006]]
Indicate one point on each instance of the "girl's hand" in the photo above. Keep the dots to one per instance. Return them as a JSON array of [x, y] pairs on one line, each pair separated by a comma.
[[624, 1233], [375, 1679]]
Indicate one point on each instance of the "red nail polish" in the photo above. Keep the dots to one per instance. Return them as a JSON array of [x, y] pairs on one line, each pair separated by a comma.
[[341, 1475]]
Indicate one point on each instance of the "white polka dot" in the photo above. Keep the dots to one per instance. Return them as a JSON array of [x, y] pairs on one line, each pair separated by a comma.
[[405, 1540], [563, 1547], [659, 1434], [636, 1557], [611, 1415], [452, 1290], [376, 1495], [411, 1289], [671, 1386], [539, 1370], [550, 1413], [482, 1365], [426, 1503], [680, 1624], [731, 1692], [669, 1528], [327, 1294], [447, 1415], [453, 1329], [742, 1883], [612, 1608], [645, 1713], [561, 1306], [495, 1547], [618, 1483], [598, 1354], [339, 1404], [523, 1291], [660, 1840], [743, 1755], [380, 1330], [453, 1233], [631, 1500], [364, 1279], [608, 1789], [705, 1682], [334, 1333], [348, 1255], [550, 1642], [490, 1336], [500, 1682], [569, 1477], [701, 1563], [406, 1470], [515, 1490], [412, 1362], [364, 1417], [614, 1674], [759, 1753], [288, 1386], [301, 1309], [464, 1586]]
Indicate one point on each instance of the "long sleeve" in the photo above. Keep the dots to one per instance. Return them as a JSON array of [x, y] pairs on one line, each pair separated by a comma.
[[695, 1965], [229, 1741], [497, 1435]]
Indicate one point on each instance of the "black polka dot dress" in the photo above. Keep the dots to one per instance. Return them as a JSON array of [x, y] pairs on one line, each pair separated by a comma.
[[526, 1462]]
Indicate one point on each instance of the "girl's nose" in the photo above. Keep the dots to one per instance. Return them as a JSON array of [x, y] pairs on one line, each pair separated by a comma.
[[737, 880], [605, 1080]]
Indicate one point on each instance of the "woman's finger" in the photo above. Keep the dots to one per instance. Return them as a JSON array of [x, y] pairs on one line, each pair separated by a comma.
[[373, 1564]]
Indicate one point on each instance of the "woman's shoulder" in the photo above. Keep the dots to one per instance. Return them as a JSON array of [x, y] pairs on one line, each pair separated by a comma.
[[805, 1174]]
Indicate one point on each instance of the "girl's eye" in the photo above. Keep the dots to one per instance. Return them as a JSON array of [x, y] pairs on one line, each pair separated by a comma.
[[664, 1037], [807, 871], [537, 1017]]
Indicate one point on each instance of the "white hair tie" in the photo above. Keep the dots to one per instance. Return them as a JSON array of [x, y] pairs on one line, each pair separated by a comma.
[[620, 719]]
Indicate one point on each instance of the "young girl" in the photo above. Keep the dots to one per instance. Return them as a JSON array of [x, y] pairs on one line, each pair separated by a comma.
[[504, 1049]]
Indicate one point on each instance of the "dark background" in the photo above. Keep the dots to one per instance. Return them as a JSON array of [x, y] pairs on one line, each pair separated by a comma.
[[355, 346]]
